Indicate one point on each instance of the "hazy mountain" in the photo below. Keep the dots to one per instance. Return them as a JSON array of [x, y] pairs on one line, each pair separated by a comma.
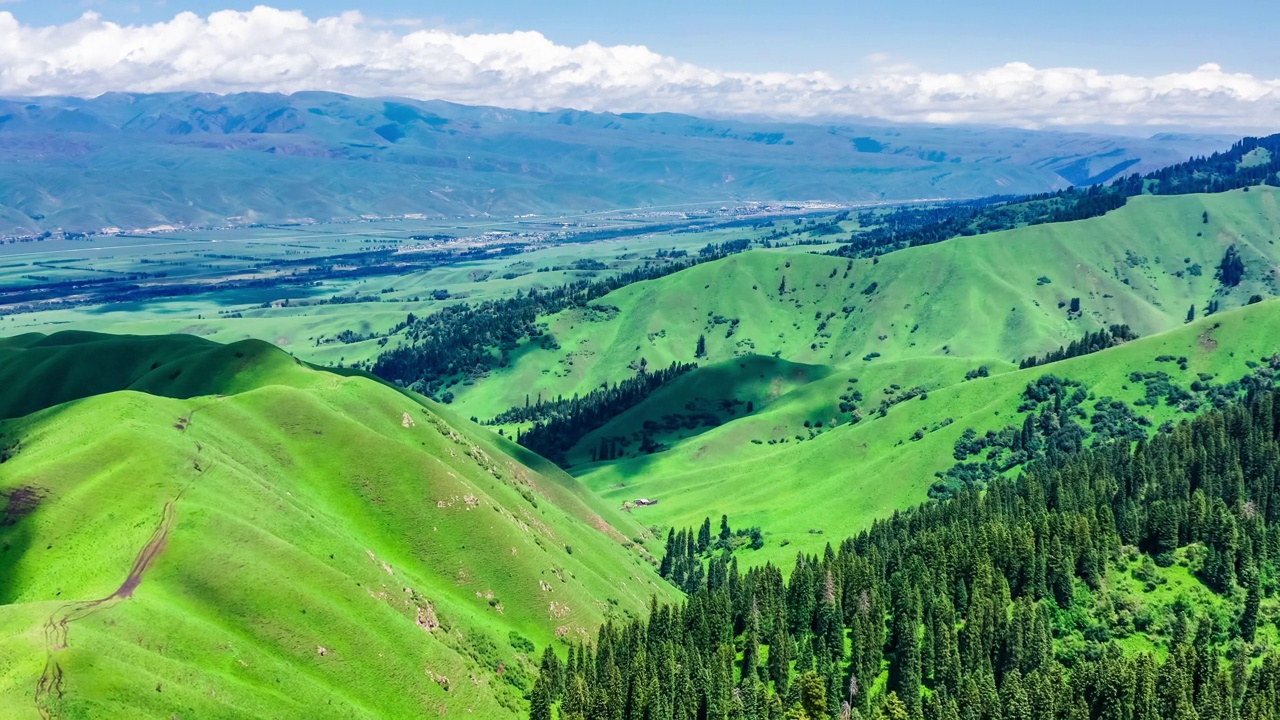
[[134, 161]]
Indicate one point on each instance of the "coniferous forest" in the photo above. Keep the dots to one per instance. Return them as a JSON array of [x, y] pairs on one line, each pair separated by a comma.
[[559, 424], [989, 606], [469, 340], [1090, 343], [912, 227]]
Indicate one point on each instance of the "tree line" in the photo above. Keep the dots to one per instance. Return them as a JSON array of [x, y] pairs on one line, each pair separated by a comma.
[[559, 424], [1091, 343], [992, 605], [912, 227], [471, 339]]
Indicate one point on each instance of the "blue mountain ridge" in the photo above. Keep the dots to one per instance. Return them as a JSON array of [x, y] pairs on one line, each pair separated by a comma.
[[137, 161]]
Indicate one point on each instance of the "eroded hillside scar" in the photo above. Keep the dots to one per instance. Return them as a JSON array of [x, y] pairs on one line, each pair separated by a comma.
[[22, 501], [50, 685], [148, 553]]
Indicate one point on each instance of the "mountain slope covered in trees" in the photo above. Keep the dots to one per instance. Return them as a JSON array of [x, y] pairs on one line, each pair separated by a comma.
[[1251, 161], [994, 298], [889, 337], [1044, 597], [805, 471]]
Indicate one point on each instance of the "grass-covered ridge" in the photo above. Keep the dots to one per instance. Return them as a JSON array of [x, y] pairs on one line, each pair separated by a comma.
[[873, 334], [39, 371], [1000, 297], [796, 482], [327, 545]]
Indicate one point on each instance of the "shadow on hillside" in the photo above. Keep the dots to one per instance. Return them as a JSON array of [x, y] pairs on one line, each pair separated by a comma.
[[15, 535], [706, 399]]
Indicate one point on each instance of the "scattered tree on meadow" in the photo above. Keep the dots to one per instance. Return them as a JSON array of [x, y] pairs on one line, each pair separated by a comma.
[[1231, 269]]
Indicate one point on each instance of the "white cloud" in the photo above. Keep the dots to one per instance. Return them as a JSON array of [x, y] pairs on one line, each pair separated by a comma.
[[285, 51]]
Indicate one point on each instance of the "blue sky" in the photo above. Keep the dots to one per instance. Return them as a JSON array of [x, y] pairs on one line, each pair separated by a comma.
[[1114, 36]]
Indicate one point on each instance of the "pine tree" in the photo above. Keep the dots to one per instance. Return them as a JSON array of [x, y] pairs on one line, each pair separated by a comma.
[[540, 701], [830, 624], [1252, 603], [704, 536], [813, 694], [1061, 575], [893, 708], [751, 645], [780, 655], [905, 667], [1231, 268], [551, 672]]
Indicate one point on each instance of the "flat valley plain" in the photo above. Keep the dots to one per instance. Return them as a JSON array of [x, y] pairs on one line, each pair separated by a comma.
[[302, 286]]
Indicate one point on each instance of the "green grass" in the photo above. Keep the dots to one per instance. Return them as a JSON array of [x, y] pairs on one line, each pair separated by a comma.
[[839, 480], [288, 477], [1145, 612], [937, 312], [307, 515], [307, 330], [977, 298]]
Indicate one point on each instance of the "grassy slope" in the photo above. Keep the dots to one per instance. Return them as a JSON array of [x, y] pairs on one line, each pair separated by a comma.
[[839, 480], [40, 371], [976, 297], [308, 330], [937, 312], [703, 398], [307, 515]]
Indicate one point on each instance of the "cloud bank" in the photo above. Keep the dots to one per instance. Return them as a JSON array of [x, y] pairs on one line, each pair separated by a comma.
[[285, 51]]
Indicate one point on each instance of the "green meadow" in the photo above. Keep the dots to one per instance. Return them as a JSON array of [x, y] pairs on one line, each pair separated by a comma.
[[335, 546], [301, 319], [791, 332], [211, 513]]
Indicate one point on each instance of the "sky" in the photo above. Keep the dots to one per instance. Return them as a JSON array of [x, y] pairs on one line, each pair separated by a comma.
[[1124, 63]]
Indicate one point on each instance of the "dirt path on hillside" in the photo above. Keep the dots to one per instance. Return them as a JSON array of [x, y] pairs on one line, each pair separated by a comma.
[[49, 688]]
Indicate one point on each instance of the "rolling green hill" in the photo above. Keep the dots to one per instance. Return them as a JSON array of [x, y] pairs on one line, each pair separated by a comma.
[[918, 318], [990, 298], [301, 543], [806, 486], [40, 371]]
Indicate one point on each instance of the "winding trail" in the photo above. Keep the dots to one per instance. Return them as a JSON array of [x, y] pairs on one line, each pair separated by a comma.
[[50, 685]]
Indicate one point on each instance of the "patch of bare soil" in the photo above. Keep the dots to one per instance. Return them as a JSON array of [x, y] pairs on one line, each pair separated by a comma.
[[1206, 339], [50, 686], [21, 502]]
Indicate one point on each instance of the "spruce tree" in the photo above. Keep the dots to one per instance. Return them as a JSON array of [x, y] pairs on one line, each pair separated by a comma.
[[704, 535], [751, 645], [1252, 603], [540, 701]]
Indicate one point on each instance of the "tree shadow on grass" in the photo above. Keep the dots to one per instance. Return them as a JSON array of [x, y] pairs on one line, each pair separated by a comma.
[[15, 534]]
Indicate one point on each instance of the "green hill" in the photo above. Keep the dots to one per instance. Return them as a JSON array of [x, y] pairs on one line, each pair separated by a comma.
[[996, 297], [301, 543], [918, 318], [807, 486], [39, 371]]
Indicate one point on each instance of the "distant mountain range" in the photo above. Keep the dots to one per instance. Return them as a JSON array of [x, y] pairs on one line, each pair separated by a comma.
[[141, 161]]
